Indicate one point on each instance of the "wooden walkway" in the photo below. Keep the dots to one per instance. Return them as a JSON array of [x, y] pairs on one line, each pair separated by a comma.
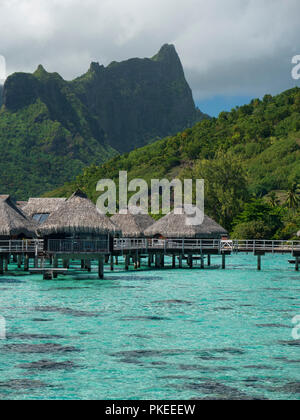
[[133, 250], [207, 246]]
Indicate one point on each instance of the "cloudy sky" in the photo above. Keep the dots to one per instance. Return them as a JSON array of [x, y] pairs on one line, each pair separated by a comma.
[[231, 50]]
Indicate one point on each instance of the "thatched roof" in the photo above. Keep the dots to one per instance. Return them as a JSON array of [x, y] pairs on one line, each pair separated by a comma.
[[13, 222], [77, 215], [131, 224], [42, 205], [175, 226], [21, 204]]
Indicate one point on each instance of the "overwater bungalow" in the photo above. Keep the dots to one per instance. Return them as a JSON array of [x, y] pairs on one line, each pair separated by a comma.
[[41, 208], [76, 219], [14, 224], [174, 226], [132, 224]]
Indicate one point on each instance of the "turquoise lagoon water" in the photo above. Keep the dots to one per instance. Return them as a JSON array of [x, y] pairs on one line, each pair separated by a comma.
[[171, 334]]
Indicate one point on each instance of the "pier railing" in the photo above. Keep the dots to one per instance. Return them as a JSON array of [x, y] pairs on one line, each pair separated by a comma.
[[73, 246], [27, 246], [205, 245]]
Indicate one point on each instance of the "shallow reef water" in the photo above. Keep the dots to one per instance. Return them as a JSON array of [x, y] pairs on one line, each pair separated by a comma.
[[166, 334]]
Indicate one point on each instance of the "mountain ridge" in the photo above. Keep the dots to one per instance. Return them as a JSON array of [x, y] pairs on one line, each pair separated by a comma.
[[51, 129]]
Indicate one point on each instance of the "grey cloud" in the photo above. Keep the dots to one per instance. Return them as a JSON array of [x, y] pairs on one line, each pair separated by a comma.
[[235, 47]]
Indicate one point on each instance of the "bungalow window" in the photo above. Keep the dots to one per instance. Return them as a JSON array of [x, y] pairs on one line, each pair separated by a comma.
[[41, 217]]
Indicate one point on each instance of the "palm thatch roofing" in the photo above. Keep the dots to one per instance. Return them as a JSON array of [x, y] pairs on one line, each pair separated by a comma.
[[77, 215], [175, 226], [13, 222], [21, 204], [132, 224], [42, 205]]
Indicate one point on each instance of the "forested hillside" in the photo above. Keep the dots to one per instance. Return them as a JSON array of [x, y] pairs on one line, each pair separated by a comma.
[[249, 158]]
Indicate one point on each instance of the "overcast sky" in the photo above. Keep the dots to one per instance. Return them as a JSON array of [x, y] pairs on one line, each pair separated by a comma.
[[230, 49]]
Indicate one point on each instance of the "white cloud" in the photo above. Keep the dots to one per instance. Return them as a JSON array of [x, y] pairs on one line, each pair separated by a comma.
[[233, 47]]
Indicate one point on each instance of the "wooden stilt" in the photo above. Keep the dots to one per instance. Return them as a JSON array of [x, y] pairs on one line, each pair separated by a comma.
[[223, 261], [135, 263], [101, 268], [117, 260], [6, 262], [149, 261], [82, 264], [157, 260], [173, 261], [180, 261], [202, 262], [26, 263], [127, 262], [297, 264], [162, 261], [20, 261], [259, 262], [1, 266], [36, 262], [55, 262], [209, 260], [106, 259], [112, 263]]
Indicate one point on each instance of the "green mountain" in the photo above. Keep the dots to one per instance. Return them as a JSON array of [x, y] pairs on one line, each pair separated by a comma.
[[243, 155], [51, 129], [1, 91], [138, 100]]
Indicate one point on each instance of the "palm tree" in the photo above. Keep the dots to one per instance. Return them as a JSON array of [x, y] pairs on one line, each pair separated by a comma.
[[273, 199], [293, 198]]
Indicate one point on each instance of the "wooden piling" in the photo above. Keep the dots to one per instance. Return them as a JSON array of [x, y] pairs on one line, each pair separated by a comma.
[[259, 262], [190, 261], [26, 263], [55, 262], [112, 263], [180, 261], [36, 262], [1, 266], [174, 261], [209, 260], [297, 264], [20, 261], [157, 260], [6, 262], [88, 265], [202, 262], [127, 262], [223, 261], [162, 261], [101, 268]]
